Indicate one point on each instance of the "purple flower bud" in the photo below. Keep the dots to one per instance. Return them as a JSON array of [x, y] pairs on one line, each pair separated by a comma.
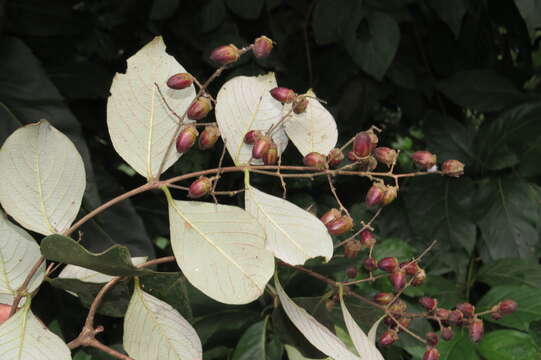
[[410, 267], [456, 316], [351, 249], [388, 264], [367, 238], [261, 147], [385, 155], [443, 314], [199, 108], [315, 159], [431, 354], [432, 338], [428, 303], [186, 138], [375, 195], [447, 333], [383, 298], [467, 309], [452, 168], [341, 225], [424, 159], [225, 54], [362, 145], [252, 136], [283, 95], [199, 188], [476, 330], [180, 81], [398, 280], [508, 307], [262, 47], [370, 264], [209, 137], [271, 157], [330, 215], [335, 157], [351, 272], [388, 337]]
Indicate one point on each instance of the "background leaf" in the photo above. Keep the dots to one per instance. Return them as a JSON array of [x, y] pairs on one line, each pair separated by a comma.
[[509, 345]]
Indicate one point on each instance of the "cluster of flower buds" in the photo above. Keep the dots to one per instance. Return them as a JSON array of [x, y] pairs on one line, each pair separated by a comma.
[[188, 135], [264, 147], [426, 160], [397, 308], [380, 195], [299, 103], [227, 54], [399, 272], [335, 157], [337, 223]]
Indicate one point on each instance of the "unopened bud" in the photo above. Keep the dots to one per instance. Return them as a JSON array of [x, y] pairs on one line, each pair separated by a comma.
[[300, 105], [388, 264], [508, 307], [351, 249], [199, 108], [5, 310], [383, 298], [351, 272], [252, 136], [456, 317], [362, 145], [432, 338], [419, 278], [200, 188], [390, 194], [431, 354], [315, 159], [452, 168], [186, 138], [370, 264], [353, 157], [209, 137], [410, 267], [398, 280], [385, 155], [443, 314], [330, 215], [389, 321], [398, 307], [341, 225], [405, 322], [467, 309], [388, 337], [180, 81], [496, 315], [476, 330], [428, 303], [335, 157], [375, 195], [262, 47], [447, 333], [261, 147], [225, 54], [367, 238], [271, 157], [283, 94], [424, 159]]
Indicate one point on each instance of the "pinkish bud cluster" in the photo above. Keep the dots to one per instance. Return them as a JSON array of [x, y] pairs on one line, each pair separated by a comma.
[[283, 95], [262, 47], [380, 194], [335, 157]]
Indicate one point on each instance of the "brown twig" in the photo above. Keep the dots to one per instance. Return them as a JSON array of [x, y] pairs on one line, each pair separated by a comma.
[[368, 225]]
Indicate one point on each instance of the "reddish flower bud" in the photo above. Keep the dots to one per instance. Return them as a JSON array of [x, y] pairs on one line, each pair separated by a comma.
[[353, 157], [390, 322], [389, 195], [383, 298], [431, 354], [508, 307], [367, 238], [385, 155], [428, 303], [419, 278], [351, 272], [476, 330], [5, 309], [496, 315], [261, 147], [410, 267], [200, 188], [225, 54], [443, 314], [388, 337], [370, 264], [456, 317], [452, 168], [467, 309], [335, 157], [186, 138], [209, 137], [271, 157], [447, 333], [262, 47], [398, 307], [398, 280], [315, 159], [252, 136], [405, 322], [180, 81], [283, 94], [424, 159], [432, 338], [388, 264], [341, 225], [200, 108], [330, 215], [362, 145], [375, 195], [300, 105], [351, 249]]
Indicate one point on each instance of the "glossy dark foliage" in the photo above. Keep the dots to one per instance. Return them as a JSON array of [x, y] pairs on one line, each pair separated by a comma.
[[459, 78]]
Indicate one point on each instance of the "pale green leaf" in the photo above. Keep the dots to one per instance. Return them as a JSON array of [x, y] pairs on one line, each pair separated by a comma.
[[18, 253], [43, 178], [318, 335], [140, 125], [243, 104], [221, 250], [154, 330], [25, 337], [294, 235], [313, 130]]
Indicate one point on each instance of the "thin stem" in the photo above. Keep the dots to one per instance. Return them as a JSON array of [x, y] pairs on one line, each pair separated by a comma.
[[106, 349], [333, 191], [368, 225], [405, 329]]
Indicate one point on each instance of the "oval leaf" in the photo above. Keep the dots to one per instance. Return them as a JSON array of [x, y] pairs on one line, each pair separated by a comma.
[[140, 125], [318, 335], [244, 103], [293, 234], [43, 178], [313, 130], [25, 337], [364, 345], [91, 276], [154, 330], [18, 253], [221, 250]]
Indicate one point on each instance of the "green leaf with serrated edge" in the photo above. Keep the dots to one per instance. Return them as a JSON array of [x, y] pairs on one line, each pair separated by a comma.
[[511, 272], [114, 261], [527, 298], [509, 345]]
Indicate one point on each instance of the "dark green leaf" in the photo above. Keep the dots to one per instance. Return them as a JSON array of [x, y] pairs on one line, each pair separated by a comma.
[[212, 15], [511, 272], [372, 42], [451, 12], [527, 298], [460, 347], [246, 9], [252, 344], [509, 219], [226, 324], [535, 331], [163, 9], [217, 353], [171, 288], [482, 90], [115, 261], [509, 345], [394, 247], [448, 293], [328, 19], [9, 123], [531, 12]]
